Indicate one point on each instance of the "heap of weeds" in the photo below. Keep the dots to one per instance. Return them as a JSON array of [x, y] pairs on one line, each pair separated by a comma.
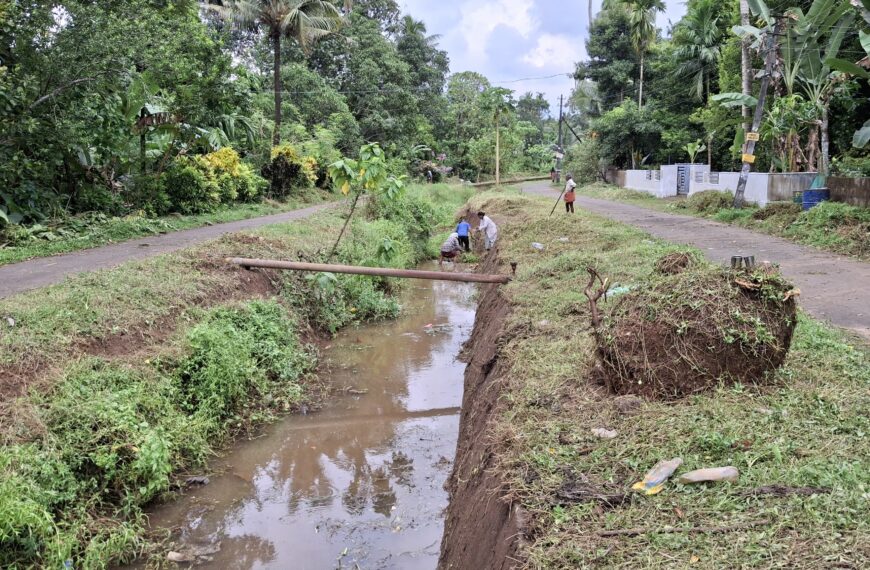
[[681, 333]]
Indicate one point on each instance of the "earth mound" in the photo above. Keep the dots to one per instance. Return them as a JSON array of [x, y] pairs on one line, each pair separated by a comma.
[[683, 333]]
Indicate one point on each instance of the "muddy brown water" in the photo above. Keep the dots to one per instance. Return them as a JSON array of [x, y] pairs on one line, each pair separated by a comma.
[[358, 484]]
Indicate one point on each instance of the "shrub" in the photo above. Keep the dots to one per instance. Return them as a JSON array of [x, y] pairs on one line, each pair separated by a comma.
[[191, 189], [851, 166], [148, 193], [238, 355], [709, 201], [97, 198], [236, 180], [416, 214], [288, 170]]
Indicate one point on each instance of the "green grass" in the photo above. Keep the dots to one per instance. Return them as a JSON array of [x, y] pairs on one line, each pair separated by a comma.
[[117, 381], [808, 427], [74, 234], [830, 226]]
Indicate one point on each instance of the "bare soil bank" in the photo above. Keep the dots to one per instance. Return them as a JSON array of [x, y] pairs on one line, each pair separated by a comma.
[[481, 529]]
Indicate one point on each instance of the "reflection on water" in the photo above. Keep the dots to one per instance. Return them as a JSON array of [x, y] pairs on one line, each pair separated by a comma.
[[359, 484]]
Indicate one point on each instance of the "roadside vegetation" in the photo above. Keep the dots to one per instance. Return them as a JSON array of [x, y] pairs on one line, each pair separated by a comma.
[[94, 229], [118, 382], [831, 226], [206, 109], [798, 438]]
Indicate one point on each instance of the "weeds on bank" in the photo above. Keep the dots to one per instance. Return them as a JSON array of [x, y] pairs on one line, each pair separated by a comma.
[[807, 429], [98, 438], [831, 226]]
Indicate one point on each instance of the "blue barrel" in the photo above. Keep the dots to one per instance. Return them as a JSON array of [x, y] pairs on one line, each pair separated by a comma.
[[815, 196]]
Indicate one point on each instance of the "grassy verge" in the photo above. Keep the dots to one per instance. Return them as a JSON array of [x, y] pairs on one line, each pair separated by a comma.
[[807, 428], [831, 226], [118, 381], [84, 232]]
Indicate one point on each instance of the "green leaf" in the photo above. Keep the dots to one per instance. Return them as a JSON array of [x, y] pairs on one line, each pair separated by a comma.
[[746, 30], [865, 36], [733, 99], [862, 136], [847, 67], [3, 215], [760, 9]]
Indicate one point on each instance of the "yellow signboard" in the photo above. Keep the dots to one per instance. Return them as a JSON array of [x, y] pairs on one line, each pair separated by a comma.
[[752, 136], [750, 158]]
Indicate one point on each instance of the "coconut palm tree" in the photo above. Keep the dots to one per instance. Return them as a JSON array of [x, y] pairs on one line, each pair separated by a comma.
[[642, 19], [303, 21], [698, 46]]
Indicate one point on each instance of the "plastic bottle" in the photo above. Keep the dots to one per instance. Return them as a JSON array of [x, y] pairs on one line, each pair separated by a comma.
[[654, 481], [728, 473]]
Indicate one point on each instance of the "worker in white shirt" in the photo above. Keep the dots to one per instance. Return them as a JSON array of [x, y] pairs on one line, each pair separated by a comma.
[[489, 230]]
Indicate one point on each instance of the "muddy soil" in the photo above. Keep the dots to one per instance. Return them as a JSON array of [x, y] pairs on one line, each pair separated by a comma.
[[359, 484]]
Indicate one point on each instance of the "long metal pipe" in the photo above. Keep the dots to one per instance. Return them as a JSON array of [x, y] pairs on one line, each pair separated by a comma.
[[375, 271]]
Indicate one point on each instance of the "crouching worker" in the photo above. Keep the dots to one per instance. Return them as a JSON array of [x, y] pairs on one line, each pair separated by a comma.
[[450, 248]]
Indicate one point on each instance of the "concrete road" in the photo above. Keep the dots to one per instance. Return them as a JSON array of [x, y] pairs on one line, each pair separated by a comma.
[[18, 277]]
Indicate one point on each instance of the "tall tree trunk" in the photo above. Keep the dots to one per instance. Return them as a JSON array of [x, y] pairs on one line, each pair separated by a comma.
[[589, 26], [143, 166], [824, 163], [497, 153], [710, 153], [745, 63], [276, 42], [813, 148], [640, 91]]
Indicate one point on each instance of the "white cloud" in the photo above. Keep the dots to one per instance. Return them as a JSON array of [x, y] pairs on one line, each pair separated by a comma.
[[479, 20], [556, 51]]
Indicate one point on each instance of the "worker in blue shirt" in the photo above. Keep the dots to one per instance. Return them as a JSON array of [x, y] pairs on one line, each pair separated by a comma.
[[463, 229]]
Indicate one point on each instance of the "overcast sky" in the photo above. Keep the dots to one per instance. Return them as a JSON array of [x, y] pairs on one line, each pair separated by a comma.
[[508, 40]]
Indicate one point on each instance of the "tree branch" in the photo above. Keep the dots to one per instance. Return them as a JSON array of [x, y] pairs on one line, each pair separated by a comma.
[[59, 90]]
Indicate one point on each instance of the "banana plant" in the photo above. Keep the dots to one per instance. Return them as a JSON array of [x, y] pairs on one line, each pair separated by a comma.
[[693, 149], [809, 41], [862, 135]]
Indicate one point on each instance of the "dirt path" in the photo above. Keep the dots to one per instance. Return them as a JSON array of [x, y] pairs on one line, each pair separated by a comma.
[[834, 288], [18, 277]]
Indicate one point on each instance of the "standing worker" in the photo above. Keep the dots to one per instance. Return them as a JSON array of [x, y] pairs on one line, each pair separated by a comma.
[[570, 195], [489, 229], [462, 231], [450, 248]]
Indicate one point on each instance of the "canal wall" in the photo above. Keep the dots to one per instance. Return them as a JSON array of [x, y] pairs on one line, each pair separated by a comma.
[[482, 528]]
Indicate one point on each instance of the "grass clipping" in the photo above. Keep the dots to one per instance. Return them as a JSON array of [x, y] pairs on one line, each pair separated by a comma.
[[683, 332]]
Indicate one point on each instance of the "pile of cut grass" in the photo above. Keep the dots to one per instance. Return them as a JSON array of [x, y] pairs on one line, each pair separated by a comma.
[[805, 430]]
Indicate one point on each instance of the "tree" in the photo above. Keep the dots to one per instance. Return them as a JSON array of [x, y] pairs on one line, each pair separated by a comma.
[[626, 134], [496, 102], [698, 38], [642, 21], [303, 21], [612, 63]]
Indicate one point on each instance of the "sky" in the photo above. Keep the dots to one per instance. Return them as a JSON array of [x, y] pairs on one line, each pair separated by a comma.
[[511, 40]]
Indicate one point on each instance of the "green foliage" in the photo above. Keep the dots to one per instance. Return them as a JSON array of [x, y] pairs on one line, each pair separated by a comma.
[[288, 171], [851, 166], [237, 358], [626, 134], [191, 188], [370, 173]]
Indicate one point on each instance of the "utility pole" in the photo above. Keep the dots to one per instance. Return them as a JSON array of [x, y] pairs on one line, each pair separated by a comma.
[[770, 46], [559, 144]]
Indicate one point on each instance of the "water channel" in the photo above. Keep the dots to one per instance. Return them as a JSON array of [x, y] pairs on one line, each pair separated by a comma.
[[358, 484]]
